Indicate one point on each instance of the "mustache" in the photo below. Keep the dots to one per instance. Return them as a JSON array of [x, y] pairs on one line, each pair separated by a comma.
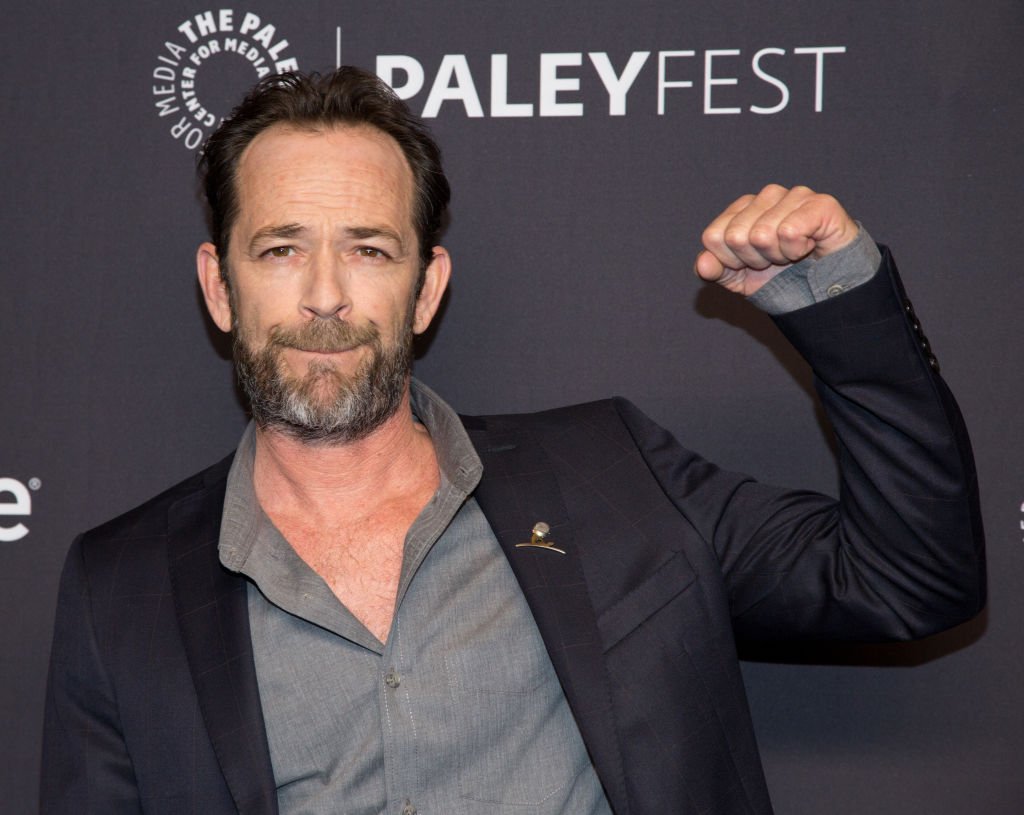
[[324, 335]]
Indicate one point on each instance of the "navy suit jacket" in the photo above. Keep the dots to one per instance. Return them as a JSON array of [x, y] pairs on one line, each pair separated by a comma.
[[153, 702]]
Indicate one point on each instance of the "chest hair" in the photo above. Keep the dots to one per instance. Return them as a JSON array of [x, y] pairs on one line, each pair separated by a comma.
[[359, 556]]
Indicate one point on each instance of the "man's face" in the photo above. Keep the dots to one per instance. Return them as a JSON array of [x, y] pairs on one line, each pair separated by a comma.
[[323, 263]]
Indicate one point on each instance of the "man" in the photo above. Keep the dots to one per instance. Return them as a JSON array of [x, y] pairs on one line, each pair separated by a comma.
[[375, 606]]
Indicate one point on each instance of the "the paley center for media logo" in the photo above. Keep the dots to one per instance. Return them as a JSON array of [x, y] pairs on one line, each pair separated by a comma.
[[214, 57]]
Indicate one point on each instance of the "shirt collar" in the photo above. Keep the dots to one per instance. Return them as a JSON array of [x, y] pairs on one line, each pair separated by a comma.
[[456, 457], [242, 518]]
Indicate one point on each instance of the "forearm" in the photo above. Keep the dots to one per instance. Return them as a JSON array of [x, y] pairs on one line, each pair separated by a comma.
[[901, 553]]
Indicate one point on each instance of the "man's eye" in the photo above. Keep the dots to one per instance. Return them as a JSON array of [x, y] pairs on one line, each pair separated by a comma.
[[280, 252], [371, 252]]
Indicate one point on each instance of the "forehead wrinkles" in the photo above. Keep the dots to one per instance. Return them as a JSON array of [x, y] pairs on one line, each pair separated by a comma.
[[354, 167]]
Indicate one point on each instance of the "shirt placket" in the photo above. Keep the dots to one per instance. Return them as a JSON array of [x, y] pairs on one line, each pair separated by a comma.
[[397, 694]]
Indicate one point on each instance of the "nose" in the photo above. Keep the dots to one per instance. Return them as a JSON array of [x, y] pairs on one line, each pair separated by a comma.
[[325, 293]]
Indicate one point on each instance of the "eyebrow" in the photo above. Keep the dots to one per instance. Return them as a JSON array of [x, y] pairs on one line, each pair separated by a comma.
[[359, 233], [282, 231]]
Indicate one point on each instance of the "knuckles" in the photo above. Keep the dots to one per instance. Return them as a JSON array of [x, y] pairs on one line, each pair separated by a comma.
[[713, 237], [741, 231], [763, 237], [773, 191], [789, 232], [737, 237]]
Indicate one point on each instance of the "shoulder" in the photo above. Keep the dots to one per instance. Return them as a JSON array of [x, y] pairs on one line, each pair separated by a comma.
[[587, 435], [151, 520], [611, 411]]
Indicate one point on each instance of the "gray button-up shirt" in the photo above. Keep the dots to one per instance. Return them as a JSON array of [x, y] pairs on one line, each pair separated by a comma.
[[810, 281], [459, 712]]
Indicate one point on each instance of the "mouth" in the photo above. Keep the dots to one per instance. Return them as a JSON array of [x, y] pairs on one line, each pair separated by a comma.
[[318, 348], [324, 351]]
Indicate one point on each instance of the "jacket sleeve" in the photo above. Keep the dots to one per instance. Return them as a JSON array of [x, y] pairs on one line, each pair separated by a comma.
[[900, 554], [86, 766]]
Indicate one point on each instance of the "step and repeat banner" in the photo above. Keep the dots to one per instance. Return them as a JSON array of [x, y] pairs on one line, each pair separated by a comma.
[[588, 144]]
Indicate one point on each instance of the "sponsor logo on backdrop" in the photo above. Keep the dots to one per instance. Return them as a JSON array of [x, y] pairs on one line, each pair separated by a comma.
[[721, 77], [15, 503], [214, 57]]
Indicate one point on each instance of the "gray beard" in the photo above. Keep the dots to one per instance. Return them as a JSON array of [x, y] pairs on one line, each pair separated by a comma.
[[325, 406]]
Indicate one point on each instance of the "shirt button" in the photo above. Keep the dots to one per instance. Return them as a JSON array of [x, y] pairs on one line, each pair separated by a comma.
[[392, 680], [835, 289], [408, 809]]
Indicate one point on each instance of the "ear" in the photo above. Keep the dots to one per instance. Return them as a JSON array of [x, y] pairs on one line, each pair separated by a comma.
[[215, 290], [435, 281]]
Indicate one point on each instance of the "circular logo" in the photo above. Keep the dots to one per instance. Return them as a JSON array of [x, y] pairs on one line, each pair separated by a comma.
[[214, 57]]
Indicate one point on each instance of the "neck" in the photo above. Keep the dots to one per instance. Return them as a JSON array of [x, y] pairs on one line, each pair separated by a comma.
[[395, 457]]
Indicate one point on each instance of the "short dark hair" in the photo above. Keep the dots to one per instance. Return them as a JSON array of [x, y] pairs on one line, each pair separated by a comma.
[[347, 96]]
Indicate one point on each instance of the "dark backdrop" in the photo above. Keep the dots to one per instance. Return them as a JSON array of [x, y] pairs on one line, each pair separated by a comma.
[[573, 232]]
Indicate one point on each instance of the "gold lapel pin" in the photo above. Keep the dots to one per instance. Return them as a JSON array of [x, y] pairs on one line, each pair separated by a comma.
[[539, 539]]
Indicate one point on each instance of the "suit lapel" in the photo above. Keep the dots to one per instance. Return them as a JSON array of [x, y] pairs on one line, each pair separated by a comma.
[[518, 489], [213, 617]]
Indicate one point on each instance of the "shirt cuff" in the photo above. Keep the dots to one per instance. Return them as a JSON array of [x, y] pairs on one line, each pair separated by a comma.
[[811, 281]]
